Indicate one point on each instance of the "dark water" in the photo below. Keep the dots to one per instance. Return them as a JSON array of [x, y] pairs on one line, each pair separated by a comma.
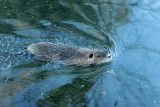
[[130, 29]]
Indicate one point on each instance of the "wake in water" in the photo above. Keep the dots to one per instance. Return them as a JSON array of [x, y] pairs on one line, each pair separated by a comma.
[[7, 63]]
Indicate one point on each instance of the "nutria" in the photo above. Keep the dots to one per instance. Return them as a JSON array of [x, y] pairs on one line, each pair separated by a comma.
[[68, 54]]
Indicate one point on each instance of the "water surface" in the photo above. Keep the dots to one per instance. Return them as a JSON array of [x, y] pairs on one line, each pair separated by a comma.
[[129, 29]]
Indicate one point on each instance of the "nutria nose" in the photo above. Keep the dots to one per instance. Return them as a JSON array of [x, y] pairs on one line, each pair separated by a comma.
[[109, 55]]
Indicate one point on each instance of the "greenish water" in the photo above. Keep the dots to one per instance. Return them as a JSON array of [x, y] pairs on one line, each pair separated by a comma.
[[129, 29]]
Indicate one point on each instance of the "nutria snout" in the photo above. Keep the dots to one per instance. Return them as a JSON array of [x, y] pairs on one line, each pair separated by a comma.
[[68, 54]]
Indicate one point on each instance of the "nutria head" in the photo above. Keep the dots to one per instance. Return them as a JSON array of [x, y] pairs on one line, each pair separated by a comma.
[[97, 57]]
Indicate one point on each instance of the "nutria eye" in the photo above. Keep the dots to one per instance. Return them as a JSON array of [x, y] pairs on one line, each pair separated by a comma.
[[90, 55]]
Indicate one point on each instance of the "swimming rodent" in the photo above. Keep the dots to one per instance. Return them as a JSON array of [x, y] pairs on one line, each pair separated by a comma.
[[72, 55]]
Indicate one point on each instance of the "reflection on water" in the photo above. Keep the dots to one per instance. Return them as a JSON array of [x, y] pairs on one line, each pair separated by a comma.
[[129, 29]]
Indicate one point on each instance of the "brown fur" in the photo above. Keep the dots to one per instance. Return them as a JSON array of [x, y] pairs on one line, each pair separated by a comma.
[[68, 54]]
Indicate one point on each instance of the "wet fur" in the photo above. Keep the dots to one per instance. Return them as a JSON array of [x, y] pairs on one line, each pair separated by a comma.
[[60, 52]]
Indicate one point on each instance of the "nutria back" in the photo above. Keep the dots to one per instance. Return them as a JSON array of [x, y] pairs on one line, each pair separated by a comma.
[[73, 55]]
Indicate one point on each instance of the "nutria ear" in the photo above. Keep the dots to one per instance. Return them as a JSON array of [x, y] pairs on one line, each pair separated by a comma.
[[98, 56], [91, 55]]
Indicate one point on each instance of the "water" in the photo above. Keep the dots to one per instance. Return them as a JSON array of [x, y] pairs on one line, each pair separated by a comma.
[[129, 29]]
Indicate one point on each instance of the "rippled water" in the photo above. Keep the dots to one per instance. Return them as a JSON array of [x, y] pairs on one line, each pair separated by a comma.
[[129, 29]]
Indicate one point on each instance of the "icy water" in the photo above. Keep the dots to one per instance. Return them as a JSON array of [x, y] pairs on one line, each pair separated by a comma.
[[128, 28]]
